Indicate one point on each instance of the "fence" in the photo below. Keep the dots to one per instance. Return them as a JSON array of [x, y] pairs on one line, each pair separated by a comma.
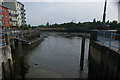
[[2, 40], [109, 38]]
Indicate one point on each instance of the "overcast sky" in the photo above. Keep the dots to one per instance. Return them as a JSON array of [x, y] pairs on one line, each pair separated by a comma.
[[59, 11]]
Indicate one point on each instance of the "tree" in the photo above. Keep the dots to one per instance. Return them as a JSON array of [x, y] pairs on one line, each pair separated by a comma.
[[108, 22], [114, 22], [24, 26], [47, 24], [94, 20], [29, 25]]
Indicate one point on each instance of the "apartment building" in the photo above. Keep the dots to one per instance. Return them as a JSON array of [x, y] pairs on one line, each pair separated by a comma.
[[16, 13]]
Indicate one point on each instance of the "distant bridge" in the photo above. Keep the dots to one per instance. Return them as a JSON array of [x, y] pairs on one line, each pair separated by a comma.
[[51, 29]]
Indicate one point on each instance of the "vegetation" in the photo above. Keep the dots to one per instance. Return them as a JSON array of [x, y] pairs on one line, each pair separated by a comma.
[[30, 36], [25, 27], [76, 27]]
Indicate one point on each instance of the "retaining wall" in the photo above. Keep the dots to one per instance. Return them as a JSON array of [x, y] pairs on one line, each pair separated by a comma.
[[104, 63], [6, 64]]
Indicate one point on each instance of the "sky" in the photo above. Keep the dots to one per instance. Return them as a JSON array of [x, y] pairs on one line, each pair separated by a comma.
[[67, 0], [39, 12]]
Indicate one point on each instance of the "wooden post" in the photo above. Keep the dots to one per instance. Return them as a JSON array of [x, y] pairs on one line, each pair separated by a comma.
[[82, 54], [8, 39], [10, 69], [13, 44], [3, 71]]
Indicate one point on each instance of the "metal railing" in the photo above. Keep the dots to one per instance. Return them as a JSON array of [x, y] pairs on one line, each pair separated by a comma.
[[2, 40], [109, 38]]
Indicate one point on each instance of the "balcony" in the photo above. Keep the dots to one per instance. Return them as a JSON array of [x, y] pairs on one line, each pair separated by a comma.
[[23, 21], [3, 24], [13, 24], [22, 8], [23, 17], [12, 14], [13, 19], [22, 13]]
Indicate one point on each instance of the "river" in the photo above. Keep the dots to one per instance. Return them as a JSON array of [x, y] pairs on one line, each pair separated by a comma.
[[57, 56]]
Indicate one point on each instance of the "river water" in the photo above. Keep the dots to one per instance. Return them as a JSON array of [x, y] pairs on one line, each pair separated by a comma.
[[57, 56]]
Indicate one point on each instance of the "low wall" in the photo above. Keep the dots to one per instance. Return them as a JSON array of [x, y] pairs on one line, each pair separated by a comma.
[[104, 63]]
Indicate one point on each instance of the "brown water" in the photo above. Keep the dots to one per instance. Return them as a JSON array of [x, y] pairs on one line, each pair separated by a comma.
[[57, 57]]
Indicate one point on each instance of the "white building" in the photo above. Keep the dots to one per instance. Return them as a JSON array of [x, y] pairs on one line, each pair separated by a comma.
[[21, 13], [119, 11]]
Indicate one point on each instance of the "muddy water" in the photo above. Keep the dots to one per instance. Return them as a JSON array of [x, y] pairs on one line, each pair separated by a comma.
[[57, 57]]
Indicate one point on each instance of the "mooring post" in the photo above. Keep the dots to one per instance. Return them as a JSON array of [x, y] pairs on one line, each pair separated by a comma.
[[7, 37], [82, 54]]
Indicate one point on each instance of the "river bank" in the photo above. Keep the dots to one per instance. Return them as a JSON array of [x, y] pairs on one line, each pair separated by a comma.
[[70, 34]]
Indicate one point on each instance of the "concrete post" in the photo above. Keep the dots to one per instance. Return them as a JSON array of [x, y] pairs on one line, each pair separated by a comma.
[[93, 36]]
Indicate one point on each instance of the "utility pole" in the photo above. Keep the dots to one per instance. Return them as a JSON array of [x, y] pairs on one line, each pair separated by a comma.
[[104, 14], [104, 26]]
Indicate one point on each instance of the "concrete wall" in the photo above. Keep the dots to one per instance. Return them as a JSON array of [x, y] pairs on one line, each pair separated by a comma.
[[104, 63], [6, 63]]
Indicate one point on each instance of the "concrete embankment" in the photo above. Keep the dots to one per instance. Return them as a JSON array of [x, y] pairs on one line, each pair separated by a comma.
[[32, 41], [17, 43], [104, 62]]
